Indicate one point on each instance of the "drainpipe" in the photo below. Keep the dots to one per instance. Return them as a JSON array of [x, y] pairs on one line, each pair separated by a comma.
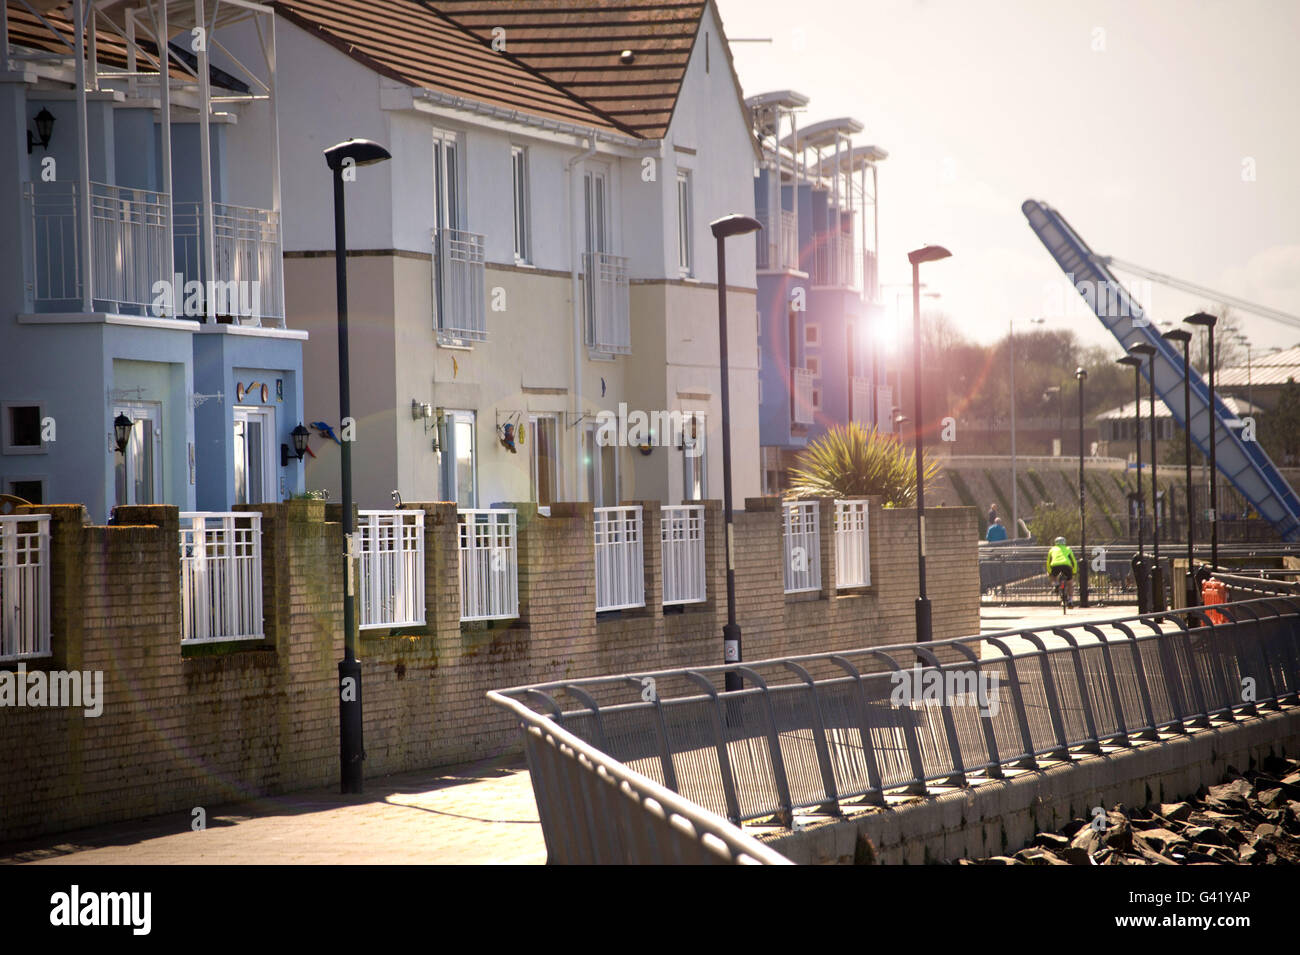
[[575, 263]]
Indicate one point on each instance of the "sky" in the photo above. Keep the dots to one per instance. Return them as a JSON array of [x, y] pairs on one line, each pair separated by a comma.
[[1167, 133]]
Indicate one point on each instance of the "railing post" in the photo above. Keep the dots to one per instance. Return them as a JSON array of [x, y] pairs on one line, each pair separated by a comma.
[[829, 789]]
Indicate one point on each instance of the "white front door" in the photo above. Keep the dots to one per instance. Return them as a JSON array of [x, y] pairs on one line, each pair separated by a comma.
[[138, 472], [254, 455]]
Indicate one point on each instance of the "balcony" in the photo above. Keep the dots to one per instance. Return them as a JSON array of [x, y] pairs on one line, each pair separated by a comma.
[[802, 390], [778, 243], [130, 230], [247, 284], [862, 396], [459, 286], [609, 328]]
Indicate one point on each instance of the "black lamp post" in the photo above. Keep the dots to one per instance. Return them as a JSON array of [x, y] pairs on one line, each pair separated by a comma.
[[1184, 336], [1135, 363], [122, 426], [727, 226], [1207, 322], [1081, 375], [930, 253], [342, 158], [1157, 588]]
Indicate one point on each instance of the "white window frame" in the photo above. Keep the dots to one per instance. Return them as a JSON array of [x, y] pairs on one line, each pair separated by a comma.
[[7, 484], [138, 411], [448, 190], [451, 486], [812, 334], [270, 464], [534, 461], [817, 399], [685, 224], [697, 463], [814, 365], [522, 205], [598, 222], [6, 425]]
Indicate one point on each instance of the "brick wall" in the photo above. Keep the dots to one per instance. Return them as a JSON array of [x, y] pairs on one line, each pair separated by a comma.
[[186, 727]]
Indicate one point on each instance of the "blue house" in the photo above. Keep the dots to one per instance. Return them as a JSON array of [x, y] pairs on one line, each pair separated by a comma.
[[818, 290], [144, 354]]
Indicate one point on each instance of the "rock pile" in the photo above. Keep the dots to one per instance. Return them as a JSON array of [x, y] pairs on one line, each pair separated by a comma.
[[1252, 818]]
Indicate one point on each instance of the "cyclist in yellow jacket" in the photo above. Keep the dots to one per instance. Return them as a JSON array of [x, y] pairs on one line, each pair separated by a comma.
[[1061, 562]]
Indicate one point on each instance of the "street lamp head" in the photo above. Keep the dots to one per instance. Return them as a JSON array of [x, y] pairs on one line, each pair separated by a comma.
[[931, 253], [1131, 360], [1177, 335], [1081, 373], [361, 152], [1202, 318], [734, 224], [1142, 348]]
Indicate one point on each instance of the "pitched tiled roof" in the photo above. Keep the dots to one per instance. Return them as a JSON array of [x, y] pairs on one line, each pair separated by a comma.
[[1264, 370], [412, 43], [578, 45]]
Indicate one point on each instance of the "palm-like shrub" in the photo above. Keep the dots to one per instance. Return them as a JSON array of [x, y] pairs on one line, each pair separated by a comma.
[[852, 461]]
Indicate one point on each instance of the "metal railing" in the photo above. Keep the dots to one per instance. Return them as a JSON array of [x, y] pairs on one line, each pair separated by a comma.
[[221, 576], [801, 380], [861, 394], [852, 545], [802, 544], [489, 564], [24, 586], [681, 535], [390, 545], [819, 730], [459, 285], [620, 560], [884, 408], [594, 810], [784, 239], [609, 327], [1014, 573], [247, 265], [129, 233]]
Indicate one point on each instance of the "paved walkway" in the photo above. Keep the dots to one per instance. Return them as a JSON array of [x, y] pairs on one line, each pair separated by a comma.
[[479, 814], [482, 813]]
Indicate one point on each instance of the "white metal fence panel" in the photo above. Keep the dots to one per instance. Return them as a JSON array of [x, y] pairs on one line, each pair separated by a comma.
[[852, 545], [803, 547], [391, 547], [489, 564], [245, 249], [620, 563], [681, 534], [460, 284], [221, 576], [609, 327], [24, 586], [862, 402]]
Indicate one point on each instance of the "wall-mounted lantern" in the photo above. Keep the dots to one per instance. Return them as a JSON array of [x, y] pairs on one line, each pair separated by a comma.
[[44, 130], [300, 436], [122, 426]]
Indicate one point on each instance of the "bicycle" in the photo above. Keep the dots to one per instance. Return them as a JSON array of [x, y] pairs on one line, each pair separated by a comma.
[[1059, 587]]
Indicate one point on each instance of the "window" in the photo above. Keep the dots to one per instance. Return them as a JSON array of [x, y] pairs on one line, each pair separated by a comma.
[[685, 262], [519, 167], [812, 334], [604, 488], [595, 187], [254, 455], [138, 472], [817, 398], [30, 489], [22, 428], [545, 455], [446, 180], [459, 458], [814, 365], [694, 460]]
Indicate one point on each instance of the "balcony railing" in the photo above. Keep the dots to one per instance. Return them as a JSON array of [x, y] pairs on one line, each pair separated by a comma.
[[609, 328], [681, 534], [459, 285], [128, 254], [620, 567], [803, 547], [852, 545], [884, 408], [247, 264], [802, 382], [221, 576], [780, 234], [489, 564], [848, 274], [862, 402], [24, 586], [391, 548]]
